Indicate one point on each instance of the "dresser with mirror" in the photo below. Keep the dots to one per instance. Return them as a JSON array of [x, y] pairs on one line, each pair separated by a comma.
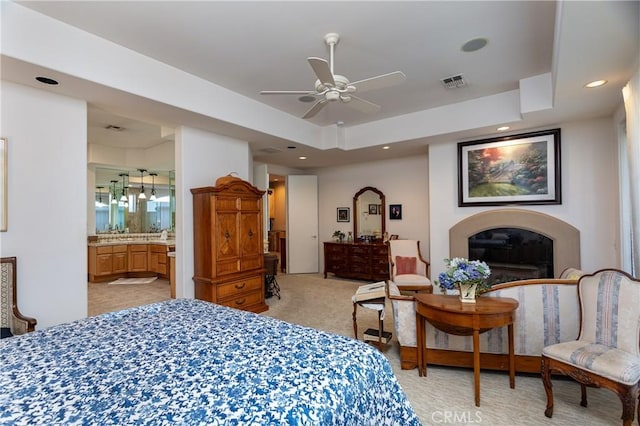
[[367, 256]]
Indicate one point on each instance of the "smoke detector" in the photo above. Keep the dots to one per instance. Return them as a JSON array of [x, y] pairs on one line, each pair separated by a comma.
[[454, 82]]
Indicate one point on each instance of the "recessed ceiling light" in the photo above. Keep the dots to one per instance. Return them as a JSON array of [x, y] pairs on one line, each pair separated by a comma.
[[386, 147], [47, 80], [302, 158], [306, 98], [503, 128], [596, 83], [474, 44]]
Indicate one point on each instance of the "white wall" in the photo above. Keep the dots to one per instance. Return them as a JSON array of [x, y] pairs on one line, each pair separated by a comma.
[[403, 181], [200, 158], [589, 193], [47, 199]]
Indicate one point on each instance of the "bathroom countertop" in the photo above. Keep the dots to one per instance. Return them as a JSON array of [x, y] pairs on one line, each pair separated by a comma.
[[131, 241]]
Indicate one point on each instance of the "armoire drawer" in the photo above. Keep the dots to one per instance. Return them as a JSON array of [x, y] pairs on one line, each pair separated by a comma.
[[243, 300], [235, 288]]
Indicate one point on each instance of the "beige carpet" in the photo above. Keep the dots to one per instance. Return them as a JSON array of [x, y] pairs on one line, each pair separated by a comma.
[[108, 298], [445, 397]]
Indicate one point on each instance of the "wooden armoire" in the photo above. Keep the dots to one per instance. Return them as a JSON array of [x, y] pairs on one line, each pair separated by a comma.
[[228, 244]]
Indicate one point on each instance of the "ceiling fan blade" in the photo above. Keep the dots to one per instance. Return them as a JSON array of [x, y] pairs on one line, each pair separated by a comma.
[[379, 82], [315, 109], [362, 105], [322, 70], [287, 92]]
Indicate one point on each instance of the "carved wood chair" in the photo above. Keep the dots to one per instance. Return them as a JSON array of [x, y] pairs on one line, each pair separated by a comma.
[[407, 268], [11, 320], [607, 350]]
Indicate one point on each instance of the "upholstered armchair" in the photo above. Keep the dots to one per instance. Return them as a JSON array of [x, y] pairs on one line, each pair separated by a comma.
[[607, 350], [11, 320], [407, 268]]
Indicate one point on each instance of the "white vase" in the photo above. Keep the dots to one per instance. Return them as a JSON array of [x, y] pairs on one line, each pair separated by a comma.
[[467, 291]]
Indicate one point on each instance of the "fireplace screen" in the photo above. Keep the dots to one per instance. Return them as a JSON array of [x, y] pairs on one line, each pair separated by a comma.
[[513, 254]]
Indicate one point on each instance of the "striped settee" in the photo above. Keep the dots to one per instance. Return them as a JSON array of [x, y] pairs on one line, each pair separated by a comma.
[[548, 313]]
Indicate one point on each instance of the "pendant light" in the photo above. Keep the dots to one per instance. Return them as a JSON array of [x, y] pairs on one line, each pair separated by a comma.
[[153, 186], [142, 195], [99, 202], [123, 198], [114, 197]]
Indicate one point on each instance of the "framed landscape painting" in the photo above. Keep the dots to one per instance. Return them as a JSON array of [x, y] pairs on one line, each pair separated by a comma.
[[516, 169]]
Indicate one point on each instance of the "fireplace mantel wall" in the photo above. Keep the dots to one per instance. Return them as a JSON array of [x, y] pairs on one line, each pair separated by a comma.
[[566, 238], [590, 194]]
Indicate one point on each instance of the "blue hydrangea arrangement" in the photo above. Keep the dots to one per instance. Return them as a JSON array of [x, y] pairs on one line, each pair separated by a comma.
[[461, 270]]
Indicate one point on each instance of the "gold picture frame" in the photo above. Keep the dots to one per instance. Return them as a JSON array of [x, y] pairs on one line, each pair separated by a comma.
[[3, 184]]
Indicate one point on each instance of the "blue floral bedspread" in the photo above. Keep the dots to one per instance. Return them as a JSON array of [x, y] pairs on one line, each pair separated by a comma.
[[192, 362]]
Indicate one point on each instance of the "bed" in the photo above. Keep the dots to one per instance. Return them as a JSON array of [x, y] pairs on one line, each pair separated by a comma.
[[192, 362]]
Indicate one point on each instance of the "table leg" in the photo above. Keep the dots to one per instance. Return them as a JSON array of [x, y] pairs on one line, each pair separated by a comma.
[[380, 329], [512, 358], [476, 365], [420, 344], [355, 323]]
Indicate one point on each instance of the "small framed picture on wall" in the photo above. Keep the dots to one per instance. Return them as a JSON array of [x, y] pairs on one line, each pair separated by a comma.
[[395, 211], [343, 214]]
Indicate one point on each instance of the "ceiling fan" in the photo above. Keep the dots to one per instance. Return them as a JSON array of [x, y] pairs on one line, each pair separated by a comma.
[[330, 87]]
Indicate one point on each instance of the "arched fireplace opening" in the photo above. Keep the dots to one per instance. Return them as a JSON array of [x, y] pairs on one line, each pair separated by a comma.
[[488, 225], [513, 253]]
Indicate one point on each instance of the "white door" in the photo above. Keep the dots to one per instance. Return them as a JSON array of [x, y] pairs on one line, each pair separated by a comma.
[[302, 224]]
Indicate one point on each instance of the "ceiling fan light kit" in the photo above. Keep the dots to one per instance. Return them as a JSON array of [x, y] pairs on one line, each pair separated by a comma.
[[331, 87]]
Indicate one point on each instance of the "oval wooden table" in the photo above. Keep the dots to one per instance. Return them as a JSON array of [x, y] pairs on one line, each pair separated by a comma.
[[449, 314]]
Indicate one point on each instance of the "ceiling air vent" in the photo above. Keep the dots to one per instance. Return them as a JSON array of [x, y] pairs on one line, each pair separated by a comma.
[[114, 128], [269, 150], [453, 82]]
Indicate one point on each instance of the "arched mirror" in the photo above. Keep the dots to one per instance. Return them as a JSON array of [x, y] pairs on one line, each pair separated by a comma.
[[368, 214]]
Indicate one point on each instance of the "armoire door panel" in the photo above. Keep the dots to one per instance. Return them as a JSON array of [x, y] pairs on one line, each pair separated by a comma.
[[226, 267], [227, 243], [250, 235], [251, 262], [226, 204], [247, 205]]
